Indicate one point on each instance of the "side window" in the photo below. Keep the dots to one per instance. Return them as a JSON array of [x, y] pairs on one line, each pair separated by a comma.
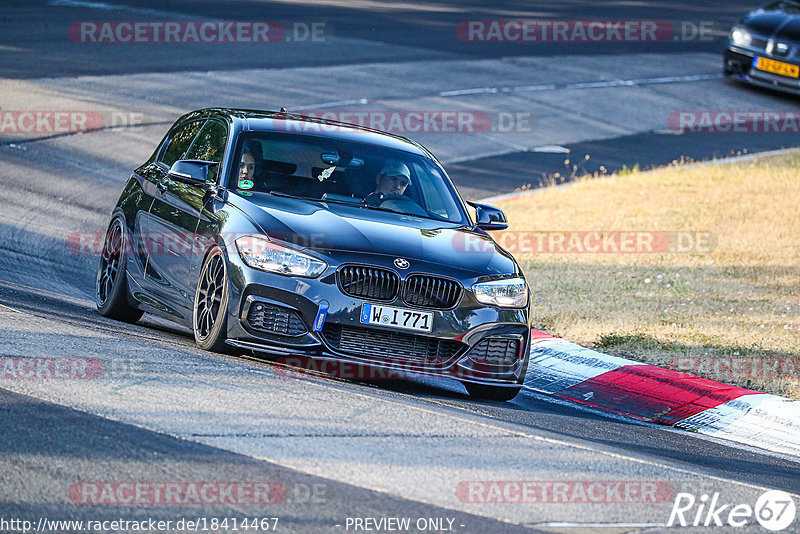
[[436, 196], [179, 143], [209, 145]]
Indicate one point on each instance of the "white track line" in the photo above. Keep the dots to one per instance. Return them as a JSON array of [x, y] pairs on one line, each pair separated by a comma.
[[104, 6], [583, 85]]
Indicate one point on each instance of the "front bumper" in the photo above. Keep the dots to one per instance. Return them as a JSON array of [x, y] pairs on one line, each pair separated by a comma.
[[471, 342], [738, 65]]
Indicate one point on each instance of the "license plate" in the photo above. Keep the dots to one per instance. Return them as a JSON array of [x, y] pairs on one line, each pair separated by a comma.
[[397, 317], [776, 67]]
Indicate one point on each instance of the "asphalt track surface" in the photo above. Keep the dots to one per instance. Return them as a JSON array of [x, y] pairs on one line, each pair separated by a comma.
[[164, 411]]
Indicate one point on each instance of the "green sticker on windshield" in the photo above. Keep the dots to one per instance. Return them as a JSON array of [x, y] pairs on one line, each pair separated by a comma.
[[246, 193], [245, 184]]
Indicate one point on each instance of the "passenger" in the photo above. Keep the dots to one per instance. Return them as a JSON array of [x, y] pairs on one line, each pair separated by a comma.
[[247, 169], [393, 179]]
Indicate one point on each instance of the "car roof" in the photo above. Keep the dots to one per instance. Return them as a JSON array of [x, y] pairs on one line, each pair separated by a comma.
[[285, 122]]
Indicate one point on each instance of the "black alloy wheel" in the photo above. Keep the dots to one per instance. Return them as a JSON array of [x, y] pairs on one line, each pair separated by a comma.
[[209, 320], [111, 289]]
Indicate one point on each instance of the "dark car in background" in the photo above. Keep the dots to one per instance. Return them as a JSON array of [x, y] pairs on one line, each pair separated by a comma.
[[267, 232], [764, 47]]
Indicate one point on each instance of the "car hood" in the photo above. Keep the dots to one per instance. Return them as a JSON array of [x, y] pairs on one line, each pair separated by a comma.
[[776, 24], [342, 231]]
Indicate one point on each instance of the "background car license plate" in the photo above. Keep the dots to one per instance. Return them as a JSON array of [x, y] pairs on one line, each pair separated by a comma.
[[777, 67], [397, 317]]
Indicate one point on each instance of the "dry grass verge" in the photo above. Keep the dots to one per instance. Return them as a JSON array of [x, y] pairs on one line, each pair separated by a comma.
[[730, 314]]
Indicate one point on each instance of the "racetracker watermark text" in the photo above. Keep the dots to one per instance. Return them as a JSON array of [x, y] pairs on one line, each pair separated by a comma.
[[72, 368], [49, 368], [564, 492], [196, 32], [583, 31], [413, 121], [732, 367], [181, 243], [733, 121], [589, 242], [390, 368], [50, 122], [157, 493]]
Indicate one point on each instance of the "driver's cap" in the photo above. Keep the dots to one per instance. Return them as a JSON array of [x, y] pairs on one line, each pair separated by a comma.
[[396, 168]]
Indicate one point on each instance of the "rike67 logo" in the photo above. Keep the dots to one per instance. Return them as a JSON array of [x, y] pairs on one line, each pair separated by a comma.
[[774, 510]]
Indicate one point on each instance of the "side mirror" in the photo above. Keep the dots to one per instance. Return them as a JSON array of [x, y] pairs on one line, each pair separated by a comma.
[[191, 171], [489, 217]]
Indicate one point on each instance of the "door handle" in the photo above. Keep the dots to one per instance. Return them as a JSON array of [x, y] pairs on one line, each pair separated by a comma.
[[162, 187]]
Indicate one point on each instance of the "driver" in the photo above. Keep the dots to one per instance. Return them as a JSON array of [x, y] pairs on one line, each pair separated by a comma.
[[393, 179]]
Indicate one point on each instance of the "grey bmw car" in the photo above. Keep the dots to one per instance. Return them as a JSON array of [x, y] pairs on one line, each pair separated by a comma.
[[293, 236]]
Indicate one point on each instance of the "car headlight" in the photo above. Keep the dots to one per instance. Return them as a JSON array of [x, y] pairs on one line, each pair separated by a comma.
[[261, 253], [741, 36], [508, 293]]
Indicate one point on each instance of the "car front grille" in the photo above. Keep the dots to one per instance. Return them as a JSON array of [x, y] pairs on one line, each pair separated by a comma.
[[762, 45], [420, 290], [275, 320], [758, 43], [394, 346], [431, 291], [368, 282], [496, 351]]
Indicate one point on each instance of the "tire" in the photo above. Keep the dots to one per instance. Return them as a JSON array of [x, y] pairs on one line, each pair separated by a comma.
[[492, 393], [209, 318], [111, 286]]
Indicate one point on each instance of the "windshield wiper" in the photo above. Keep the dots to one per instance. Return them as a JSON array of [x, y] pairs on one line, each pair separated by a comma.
[[428, 216], [378, 208], [313, 199], [287, 195], [362, 205], [359, 205]]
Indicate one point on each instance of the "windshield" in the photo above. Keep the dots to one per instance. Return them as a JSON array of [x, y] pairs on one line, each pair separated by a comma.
[[791, 8], [332, 170]]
